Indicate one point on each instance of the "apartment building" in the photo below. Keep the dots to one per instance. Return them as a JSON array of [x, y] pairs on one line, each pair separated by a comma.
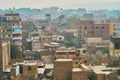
[[11, 28], [14, 20], [102, 30], [5, 29], [89, 28], [86, 28]]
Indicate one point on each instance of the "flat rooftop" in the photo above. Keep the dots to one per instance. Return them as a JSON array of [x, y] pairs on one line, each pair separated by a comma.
[[101, 70], [64, 60], [76, 70]]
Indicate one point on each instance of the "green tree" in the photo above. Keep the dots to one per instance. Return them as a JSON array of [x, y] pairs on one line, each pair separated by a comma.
[[105, 50], [69, 43], [15, 51]]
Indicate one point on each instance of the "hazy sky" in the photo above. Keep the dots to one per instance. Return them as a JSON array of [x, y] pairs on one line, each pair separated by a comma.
[[89, 4]]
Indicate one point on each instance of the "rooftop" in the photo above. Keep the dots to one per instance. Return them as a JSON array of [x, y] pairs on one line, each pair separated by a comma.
[[101, 70], [76, 70], [64, 60]]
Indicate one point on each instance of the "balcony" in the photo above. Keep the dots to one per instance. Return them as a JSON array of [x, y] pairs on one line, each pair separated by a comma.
[[17, 32], [17, 26], [14, 38]]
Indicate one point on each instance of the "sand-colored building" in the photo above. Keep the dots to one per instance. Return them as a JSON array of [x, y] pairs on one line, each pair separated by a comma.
[[4, 55]]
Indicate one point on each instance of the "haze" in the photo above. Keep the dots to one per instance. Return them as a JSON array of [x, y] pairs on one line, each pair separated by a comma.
[[89, 4]]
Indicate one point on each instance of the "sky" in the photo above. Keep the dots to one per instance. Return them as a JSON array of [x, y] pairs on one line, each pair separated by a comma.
[[88, 4]]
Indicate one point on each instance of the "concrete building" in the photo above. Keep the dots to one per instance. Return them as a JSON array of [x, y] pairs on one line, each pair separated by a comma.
[[4, 56], [88, 16], [115, 40], [112, 28], [5, 29], [36, 45], [26, 71], [115, 46], [11, 28], [104, 73], [14, 20], [62, 69]]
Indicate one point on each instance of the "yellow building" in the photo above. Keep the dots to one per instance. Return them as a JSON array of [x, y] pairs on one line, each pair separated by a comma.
[[73, 31], [112, 28]]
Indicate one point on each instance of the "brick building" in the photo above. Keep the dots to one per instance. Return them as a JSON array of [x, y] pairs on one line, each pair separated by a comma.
[[65, 54], [62, 69], [102, 30], [88, 28], [78, 74]]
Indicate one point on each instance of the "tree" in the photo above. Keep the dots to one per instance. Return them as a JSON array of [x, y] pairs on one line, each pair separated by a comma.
[[69, 43], [15, 51]]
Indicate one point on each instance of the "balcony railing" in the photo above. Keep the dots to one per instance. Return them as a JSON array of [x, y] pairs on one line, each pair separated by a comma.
[[14, 38]]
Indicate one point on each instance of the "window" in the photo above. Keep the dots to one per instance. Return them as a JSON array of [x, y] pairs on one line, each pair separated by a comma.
[[92, 27], [9, 30], [102, 27], [60, 38], [76, 62], [84, 51], [85, 27], [9, 35], [29, 68], [3, 30], [90, 22], [80, 27], [3, 35], [117, 45]]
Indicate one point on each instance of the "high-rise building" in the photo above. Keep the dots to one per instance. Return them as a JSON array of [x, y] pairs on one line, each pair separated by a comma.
[[5, 29], [11, 28], [13, 19]]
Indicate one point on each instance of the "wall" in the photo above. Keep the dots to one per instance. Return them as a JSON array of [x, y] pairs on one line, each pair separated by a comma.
[[62, 70]]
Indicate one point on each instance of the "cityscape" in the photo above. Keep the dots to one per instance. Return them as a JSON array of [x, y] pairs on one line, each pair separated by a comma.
[[44, 42]]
